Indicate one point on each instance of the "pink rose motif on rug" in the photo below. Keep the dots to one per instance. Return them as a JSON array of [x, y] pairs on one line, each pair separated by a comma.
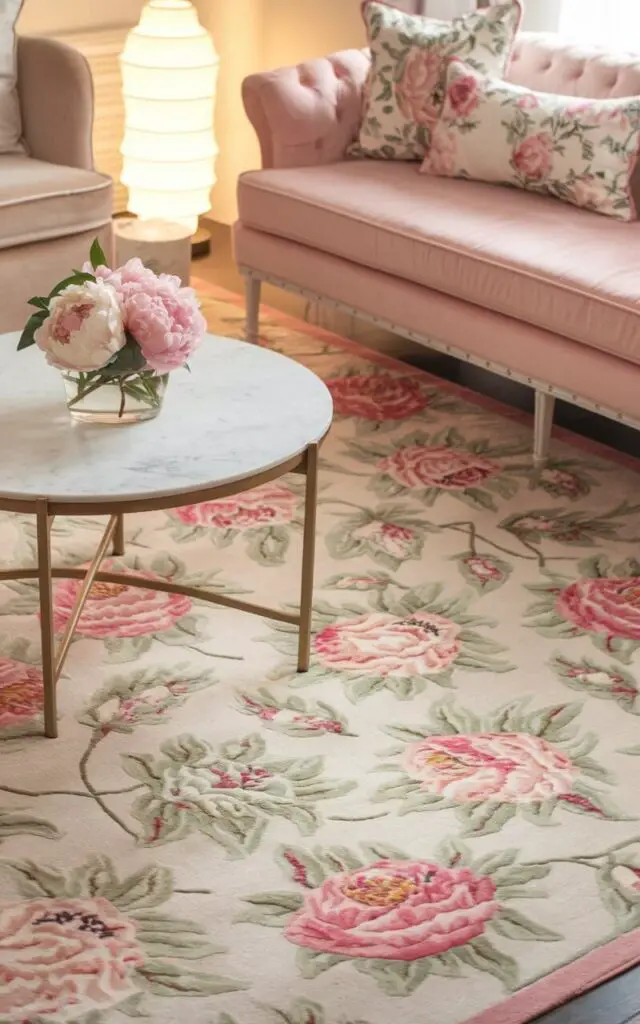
[[59, 954], [420, 644], [21, 693], [449, 469], [509, 767], [118, 610], [416, 91], [395, 910], [267, 505], [609, 606], [377, 396]]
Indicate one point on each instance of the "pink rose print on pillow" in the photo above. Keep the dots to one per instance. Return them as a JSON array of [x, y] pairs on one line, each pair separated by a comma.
[[21, 693], [450, 469], [534, 156], [268, 505], [505, 767], [395, 910], [117, 610], [610, 606], [383, 644], [377, 396], [462, 95], [420, 80], [65, 954]]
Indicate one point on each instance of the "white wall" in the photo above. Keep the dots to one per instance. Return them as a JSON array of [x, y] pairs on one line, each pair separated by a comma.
[[542, 15], [47, 17]]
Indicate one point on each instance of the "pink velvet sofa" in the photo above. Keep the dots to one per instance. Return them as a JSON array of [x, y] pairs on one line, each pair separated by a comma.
[[526, 286], [52, 201]]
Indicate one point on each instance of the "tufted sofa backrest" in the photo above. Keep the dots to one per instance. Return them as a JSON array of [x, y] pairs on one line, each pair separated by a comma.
[[544, 62]]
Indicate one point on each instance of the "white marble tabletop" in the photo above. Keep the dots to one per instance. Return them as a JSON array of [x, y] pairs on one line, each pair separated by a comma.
[[240, 411]]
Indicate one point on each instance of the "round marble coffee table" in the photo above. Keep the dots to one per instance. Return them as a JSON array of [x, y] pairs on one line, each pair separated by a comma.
[[242, 417]]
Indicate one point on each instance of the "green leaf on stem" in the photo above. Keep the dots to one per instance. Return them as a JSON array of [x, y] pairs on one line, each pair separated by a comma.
[[27, 338], [79, 278], [39, 302], [97, 256], [128, 360]]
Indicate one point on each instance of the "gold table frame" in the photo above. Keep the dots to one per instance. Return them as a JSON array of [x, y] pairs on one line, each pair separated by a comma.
[[45, 511]]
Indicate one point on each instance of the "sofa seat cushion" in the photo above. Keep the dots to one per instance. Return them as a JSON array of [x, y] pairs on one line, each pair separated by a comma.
[[39, 200], [523, 255]]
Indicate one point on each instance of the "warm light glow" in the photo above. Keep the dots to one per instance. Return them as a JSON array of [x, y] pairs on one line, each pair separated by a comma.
[[169, 73]]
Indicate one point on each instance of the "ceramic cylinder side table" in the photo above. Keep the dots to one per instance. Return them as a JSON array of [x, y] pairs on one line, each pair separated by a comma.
[[242, 417], [162, 246]]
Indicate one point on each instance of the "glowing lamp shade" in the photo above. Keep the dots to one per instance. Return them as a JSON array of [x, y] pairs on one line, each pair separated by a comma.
[[169, 73]]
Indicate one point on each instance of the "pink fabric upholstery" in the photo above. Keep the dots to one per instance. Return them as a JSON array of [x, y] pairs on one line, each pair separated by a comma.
[[551, 291], [477, 242], [526, 349], [307, 114], [56, 102], [52, 203]]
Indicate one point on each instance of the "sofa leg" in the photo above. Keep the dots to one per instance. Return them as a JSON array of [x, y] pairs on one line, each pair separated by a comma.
[[545, 405], [252, 287]]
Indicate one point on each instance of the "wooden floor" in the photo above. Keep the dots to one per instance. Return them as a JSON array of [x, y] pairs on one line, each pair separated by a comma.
[[617, 1002]]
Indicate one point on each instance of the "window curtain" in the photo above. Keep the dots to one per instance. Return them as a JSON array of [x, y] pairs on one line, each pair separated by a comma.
[[610, 23]]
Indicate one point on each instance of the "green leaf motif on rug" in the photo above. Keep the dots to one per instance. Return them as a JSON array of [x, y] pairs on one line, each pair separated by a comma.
[[365, 909], [111, 925], [420, 635], [601, 602], [291, 715], [230, 794], [513, 761]]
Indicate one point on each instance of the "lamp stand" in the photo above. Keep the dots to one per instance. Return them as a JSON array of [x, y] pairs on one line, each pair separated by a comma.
[[200, 243]]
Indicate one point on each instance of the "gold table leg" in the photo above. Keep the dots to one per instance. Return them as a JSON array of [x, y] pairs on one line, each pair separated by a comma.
[[43, 534], [118, 536], [308, 557]]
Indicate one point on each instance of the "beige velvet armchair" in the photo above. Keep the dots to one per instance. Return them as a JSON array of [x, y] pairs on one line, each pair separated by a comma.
[[52, 201]]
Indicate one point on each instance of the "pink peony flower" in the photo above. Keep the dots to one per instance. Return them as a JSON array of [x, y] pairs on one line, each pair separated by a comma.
[[533, 157], [84, 329], [441, 156], [417, 87], [385, 645], [395, 910], [610, 606], [117, 610], [60, 955], [21, 693], [377, 396], [462, 95], [528, 102], [440, 466], [509, 767], [484, 569], [388, 538], [267, 505], [162, 316]]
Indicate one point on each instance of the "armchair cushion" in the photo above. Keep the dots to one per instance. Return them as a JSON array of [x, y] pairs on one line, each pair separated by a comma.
[[10, 127], [40, 200]]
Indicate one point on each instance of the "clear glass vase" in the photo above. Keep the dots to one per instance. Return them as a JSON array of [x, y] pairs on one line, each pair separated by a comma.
[[130, 398]]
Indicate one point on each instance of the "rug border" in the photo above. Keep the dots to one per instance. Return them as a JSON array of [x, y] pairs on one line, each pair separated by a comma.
[[600, 965], [392, 363]]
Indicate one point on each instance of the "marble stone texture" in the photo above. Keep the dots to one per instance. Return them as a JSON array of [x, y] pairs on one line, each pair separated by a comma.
[[240, 411]]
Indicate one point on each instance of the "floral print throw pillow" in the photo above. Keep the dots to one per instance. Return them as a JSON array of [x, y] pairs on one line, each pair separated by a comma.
[[405, 88], [583, 151]]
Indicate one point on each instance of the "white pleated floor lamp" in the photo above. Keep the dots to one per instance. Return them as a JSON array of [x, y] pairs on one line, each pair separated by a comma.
[[169, 75]]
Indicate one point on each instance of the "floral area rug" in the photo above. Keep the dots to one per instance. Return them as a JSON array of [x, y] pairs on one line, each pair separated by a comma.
[[441, 816]]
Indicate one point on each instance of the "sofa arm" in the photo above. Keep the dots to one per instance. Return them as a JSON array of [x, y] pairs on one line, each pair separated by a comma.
[[307, 114], [56, 102]]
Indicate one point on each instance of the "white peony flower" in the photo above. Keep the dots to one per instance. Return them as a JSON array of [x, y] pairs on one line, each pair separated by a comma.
[[84, 329]]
